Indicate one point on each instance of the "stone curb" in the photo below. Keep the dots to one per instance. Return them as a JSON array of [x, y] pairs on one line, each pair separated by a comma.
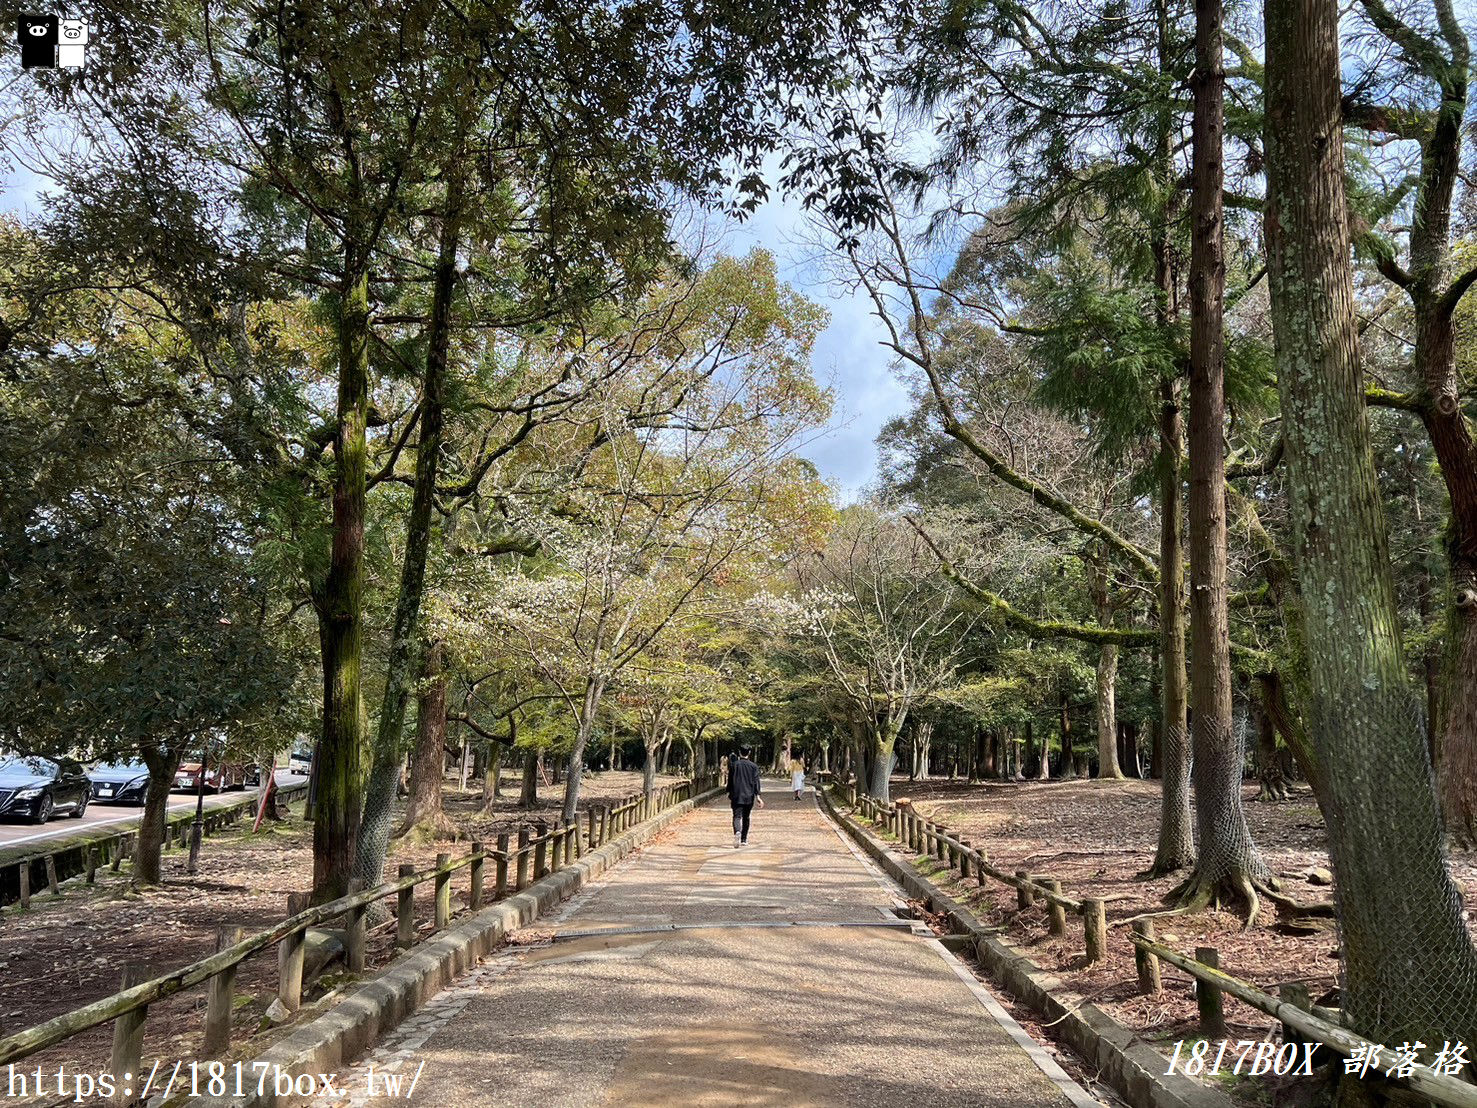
[[371, 1008], [1131, 1065]]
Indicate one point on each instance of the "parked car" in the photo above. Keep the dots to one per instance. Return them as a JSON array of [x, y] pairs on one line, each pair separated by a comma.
[[219, 776], [119, 782], [301, 761], [37, 788], [251, 778]]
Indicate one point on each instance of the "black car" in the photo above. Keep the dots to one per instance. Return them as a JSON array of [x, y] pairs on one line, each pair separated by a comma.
[[119, 782], [36, 788]]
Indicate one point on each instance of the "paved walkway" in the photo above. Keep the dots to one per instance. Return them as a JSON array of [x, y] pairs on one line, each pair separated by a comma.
[[677, 980]]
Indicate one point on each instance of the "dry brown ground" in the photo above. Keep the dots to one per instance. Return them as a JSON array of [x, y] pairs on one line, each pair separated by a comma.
[[1096, 838], [69, 950]]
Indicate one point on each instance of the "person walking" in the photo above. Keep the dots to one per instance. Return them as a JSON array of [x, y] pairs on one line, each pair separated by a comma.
[[797, 778], [743, 793]]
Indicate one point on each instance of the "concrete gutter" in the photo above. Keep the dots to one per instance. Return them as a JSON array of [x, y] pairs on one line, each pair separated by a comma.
[[366, 1011], [1131, 1065]]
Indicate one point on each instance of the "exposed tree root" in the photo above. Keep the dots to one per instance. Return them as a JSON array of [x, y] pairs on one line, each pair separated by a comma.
[[438, 827], [1163, 868], [1296, 907], [1199, 892]]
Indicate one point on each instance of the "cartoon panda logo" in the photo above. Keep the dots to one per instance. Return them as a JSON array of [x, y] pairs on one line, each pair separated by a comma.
[[39, 35]]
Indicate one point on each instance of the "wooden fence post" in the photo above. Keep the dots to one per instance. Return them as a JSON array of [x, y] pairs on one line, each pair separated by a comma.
[[1208, 997], [117, 859], [89, 855], [964, 858], [524, 835], [1023, 895], [556, 846], [221, 995], [128, 1042], [357, 932], [540, 856], [1146, 963], [500, 878], [290, 958], [1296, 994], [1056, 914], [572, 840], [1095, 929], [443, 892], [51, 881], [604, 834], [590, 817], [405, 910], [474, 897], [23, 878]]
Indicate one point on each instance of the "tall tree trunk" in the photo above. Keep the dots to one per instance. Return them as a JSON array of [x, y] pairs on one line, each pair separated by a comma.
[[492, 775], [163, 763], [1043, 765], [1107, 714], [1454, 730], [1068, 766], [428, 765], [1107, 673], [528, 794], [884, 742], [589, 707], [384, 774], [648, 767], [1409, 966], [1176, 846], [338, 601], [1228, 860], [1271, 763]]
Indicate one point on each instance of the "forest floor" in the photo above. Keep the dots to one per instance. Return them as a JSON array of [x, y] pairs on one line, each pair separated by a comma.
[[1097, 838], [70, 949]]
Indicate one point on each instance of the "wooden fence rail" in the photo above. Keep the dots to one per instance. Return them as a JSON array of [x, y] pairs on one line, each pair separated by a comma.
[[1298, 1017], [555, 847], [932, 839]]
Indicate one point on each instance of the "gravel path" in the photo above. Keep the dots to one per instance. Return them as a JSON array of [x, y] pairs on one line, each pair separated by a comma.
[[678, 979]]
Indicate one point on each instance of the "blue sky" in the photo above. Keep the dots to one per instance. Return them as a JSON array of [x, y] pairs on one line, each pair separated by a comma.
[[849, 355]]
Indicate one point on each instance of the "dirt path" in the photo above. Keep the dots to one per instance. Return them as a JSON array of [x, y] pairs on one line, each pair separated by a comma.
[[702, 974]]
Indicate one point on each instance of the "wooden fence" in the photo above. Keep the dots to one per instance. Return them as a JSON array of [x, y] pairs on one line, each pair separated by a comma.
[[1301, 1020], [538, 852]]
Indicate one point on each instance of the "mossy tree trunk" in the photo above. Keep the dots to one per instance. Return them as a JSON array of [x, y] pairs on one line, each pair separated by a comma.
[[389, 737], [1410, 969], [428, 763], [338, 602]]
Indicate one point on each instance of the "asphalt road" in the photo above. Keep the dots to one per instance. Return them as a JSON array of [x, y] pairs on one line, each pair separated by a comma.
[[119, 815], [682, 979]]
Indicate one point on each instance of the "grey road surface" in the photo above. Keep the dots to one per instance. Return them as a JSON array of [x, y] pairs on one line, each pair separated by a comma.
[[112, 815]]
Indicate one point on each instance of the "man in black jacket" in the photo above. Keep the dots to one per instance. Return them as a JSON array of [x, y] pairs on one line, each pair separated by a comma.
[[743, 793]]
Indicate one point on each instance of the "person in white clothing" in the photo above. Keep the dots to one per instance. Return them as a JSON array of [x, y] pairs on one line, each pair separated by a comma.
[[797, 779]]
